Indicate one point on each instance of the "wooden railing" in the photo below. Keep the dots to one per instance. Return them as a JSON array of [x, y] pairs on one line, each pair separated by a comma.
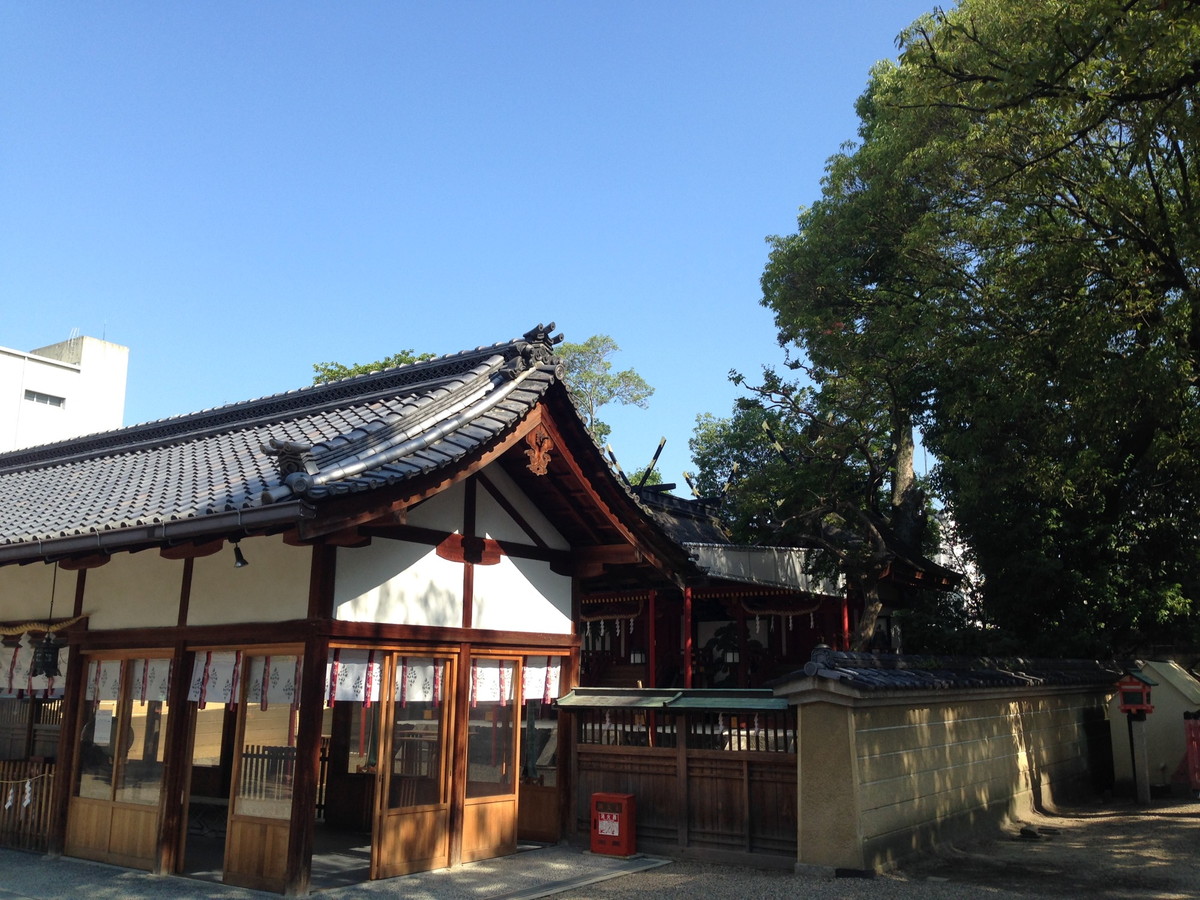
[[711, 784], [268, 772], [25, 789]]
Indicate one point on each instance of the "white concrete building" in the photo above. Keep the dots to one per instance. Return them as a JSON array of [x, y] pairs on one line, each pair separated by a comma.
[[65, 390]]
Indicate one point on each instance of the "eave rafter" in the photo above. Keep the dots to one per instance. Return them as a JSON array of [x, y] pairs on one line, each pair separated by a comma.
[[587, 489]]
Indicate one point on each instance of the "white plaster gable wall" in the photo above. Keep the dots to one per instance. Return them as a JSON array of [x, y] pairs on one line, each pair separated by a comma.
[[441, 512], [519, 594], [522, 595], [403, 583], [495, 523], [397, 582], [272, 588], [25, 592], [133, 590]]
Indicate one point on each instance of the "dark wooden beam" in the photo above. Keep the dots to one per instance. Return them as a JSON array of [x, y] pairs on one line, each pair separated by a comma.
[[511, 511], [91, 561], [291, 631], [192, 549], [389, 633]]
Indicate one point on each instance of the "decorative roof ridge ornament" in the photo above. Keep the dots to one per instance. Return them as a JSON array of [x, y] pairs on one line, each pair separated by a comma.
[[292, 456], [539, 351]]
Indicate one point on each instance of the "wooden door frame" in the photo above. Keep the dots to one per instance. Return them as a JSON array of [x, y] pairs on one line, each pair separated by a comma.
[[381, 812]]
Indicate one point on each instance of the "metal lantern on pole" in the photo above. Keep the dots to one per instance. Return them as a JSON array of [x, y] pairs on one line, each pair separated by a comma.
[[45, 654]]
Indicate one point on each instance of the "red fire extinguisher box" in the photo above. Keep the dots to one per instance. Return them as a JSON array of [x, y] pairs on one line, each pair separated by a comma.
[[614, 824]]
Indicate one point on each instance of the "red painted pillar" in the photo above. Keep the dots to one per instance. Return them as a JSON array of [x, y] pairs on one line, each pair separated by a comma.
[[652, 641], [845, 638], [687, 637]]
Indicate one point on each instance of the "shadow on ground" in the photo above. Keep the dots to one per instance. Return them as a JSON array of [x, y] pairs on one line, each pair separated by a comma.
[[1110, 851]]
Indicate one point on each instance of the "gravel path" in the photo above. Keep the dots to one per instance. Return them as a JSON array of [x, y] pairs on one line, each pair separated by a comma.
[[1110, 851]]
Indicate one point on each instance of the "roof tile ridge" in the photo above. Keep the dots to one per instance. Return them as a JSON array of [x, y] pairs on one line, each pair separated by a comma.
[[242, 414], [381, 432], [303, 475]]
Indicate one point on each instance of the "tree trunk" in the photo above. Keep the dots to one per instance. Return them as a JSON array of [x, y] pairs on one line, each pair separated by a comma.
[[872, 607], [908, 500]]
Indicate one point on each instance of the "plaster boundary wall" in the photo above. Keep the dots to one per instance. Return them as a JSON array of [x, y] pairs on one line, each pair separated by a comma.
[[885, 775]]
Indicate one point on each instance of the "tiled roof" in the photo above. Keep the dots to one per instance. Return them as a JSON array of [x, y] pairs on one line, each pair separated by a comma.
[[266, 462], [871, 671]]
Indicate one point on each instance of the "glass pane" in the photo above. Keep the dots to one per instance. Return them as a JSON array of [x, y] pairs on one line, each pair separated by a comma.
[[142, 742], [14, 727], [123, 740], [268, 759], [141, 751], [539, 744], [96, 750], [419, 731], [491, 734]]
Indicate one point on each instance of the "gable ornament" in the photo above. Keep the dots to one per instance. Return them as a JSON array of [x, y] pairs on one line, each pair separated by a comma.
[[540, 446]]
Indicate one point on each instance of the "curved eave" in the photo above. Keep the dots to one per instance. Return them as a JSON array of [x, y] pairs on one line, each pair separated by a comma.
[[258, 520]]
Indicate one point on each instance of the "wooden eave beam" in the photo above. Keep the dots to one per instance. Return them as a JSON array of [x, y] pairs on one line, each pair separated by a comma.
[[192, 549], [91, 561]]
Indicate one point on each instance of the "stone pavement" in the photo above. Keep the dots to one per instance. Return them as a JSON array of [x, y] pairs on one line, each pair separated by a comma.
[[537, 872]]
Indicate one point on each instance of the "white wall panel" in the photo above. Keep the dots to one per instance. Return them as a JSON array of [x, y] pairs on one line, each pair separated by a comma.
[[398, 582], [25, 592], [495, 522], [272, 588], [522, 595], [133, 590]]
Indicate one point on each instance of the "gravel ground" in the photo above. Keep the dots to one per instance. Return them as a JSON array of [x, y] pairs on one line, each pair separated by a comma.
[[1109, 851], [1104, 852]]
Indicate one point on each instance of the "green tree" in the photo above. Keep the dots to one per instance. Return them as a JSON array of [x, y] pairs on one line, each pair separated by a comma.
[[594, 385], [332, 371], [1008, 257]]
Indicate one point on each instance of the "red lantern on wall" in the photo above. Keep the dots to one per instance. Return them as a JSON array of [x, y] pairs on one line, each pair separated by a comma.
[[1133, 694]]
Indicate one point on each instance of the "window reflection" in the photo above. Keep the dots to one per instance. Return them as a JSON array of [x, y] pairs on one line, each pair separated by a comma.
[[491, 734], [123, 739], [419, 732]]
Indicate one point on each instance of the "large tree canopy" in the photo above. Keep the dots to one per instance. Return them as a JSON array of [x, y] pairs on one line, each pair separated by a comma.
[[1008, 257], [594, 384]]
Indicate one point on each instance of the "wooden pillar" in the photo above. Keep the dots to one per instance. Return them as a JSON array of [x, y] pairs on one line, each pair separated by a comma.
[[67, 746], [569, 679], [458, 753], [687, 637], [68, 743], [323, 567], [682, 721], [177, 765], [175, 787], [308, 766], [470, 505]]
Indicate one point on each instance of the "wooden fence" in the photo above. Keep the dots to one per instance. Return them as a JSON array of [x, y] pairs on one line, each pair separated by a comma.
[[25, 792], [706, 784]]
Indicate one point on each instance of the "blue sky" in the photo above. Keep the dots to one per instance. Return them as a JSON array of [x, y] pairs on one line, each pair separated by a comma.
[[239, 190]]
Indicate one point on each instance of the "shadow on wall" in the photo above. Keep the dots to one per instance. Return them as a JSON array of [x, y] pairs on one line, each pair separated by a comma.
[[390, 581], [931, 774]]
